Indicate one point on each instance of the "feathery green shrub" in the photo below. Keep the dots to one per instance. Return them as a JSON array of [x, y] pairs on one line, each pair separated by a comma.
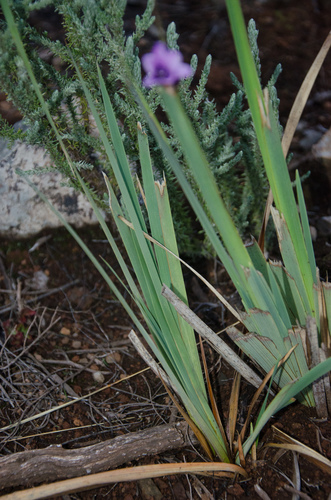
[[94, 34]]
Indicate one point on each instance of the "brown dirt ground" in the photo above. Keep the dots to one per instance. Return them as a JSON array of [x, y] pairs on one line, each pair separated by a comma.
[[92, 325]]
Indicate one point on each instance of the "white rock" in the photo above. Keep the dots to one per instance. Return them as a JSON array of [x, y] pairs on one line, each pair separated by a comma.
[[76, 344], [313, 233], [38, 281], [22, 212], [113, 357], [98, 377]]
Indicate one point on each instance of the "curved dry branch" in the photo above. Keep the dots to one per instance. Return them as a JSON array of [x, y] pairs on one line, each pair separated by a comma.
[[55, 463]]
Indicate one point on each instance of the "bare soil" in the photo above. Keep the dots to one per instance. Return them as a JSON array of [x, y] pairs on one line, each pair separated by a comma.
[[87, 346]]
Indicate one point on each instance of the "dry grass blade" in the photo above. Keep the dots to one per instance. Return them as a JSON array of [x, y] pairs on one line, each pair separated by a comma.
[[233, 407], [289, 443], [241, 454], [322, 292], [260, 389], [196, 431], [212, 398], [254, 452], [299, 494], [76, 400], [48, 433], [315, 353], [265, 220], [261, 493], [156, 369], [293, 120], [142, 192], [296, 479], [120, 475], [302, 96], [310, 454], [326, 378], [166, 382]]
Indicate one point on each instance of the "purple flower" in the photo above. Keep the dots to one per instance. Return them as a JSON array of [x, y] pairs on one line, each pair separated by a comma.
[[164, 66]]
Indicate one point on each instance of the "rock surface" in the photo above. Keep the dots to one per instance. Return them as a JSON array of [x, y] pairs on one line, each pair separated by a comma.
[[22, 213]]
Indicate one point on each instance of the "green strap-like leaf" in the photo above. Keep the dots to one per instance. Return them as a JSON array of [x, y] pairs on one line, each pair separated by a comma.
[[284, 398]]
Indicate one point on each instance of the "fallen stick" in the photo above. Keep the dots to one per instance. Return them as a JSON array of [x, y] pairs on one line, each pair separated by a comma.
[[56, 463], [207, 333]]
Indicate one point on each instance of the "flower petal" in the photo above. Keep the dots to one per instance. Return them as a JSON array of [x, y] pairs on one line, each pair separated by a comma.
[[164, 66]]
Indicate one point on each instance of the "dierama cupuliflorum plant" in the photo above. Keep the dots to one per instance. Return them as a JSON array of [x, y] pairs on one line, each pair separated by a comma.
[[173, 340], [277, 298]]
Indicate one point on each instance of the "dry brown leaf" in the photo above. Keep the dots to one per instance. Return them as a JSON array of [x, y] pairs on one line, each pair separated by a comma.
[[120, 475], [293, 120], [289, 443], [260, 389], [198, 434], [212, 399], [233, 407]]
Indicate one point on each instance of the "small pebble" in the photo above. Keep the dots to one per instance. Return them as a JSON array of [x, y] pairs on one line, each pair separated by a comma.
[[65, 331], [76, 344], [313, 233], [113, 357], [98, 377]]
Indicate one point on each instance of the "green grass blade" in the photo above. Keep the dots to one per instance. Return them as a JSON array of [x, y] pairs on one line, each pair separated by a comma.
[[204, 178], [326, 288], [269, 299], [162, 230], [264, 267], [270, 145], [152, 204], [305, 225], [192, 393], [175, 272], [291, 263], [284, 397], [235, 273], [290, 293], [258, 347]]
